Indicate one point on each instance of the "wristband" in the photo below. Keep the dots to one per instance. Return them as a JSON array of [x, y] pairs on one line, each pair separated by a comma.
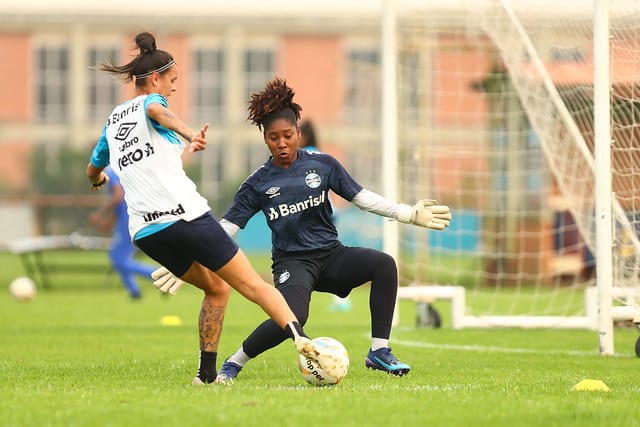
[[101, 183]]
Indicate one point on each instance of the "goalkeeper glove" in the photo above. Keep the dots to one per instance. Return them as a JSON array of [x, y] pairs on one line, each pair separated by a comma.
[[166, 281], [426, 213]]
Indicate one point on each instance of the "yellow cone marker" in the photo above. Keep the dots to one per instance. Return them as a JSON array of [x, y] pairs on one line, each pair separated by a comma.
[[590, 385], [170, 321]]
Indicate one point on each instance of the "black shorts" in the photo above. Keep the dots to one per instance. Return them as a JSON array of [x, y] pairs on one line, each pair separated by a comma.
[[335, 270], [179, 245]]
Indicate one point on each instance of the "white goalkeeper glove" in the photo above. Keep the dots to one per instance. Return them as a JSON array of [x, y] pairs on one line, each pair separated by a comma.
[[426, 213], [166, 281]]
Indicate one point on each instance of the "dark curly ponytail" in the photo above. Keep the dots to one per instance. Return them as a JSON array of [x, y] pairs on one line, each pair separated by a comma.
[[275, 101]]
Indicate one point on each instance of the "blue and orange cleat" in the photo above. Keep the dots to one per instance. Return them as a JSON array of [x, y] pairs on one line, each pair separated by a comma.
[[383, 360]]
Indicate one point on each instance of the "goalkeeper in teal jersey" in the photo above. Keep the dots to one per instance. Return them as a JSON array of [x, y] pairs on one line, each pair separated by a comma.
[[291, 190]]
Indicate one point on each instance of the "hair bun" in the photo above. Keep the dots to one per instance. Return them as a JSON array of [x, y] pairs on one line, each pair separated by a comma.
[[146, 42]]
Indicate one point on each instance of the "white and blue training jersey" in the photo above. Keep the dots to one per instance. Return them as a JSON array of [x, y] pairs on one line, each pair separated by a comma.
[[147, 159]]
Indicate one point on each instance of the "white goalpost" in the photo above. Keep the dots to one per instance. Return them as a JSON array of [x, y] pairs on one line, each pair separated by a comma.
[[525, 119], [602, 174]]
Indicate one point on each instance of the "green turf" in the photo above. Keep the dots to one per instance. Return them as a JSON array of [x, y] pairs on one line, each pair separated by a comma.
[[88, 356]]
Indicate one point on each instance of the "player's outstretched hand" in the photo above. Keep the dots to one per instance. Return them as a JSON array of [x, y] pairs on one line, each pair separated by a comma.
[[199, 140], [428, 213], [166, 281]]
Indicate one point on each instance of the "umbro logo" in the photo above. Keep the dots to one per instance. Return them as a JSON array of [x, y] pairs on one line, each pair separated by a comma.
[[284, 276], [273, 192], [124, 130]]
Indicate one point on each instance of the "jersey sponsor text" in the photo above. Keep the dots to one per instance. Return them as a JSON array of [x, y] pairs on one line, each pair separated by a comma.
[[135, 156], [115, 117], [151, 216], [285, 209]]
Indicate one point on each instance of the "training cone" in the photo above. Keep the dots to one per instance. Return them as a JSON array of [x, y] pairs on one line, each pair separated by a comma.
[[590, 385], [170, 321]]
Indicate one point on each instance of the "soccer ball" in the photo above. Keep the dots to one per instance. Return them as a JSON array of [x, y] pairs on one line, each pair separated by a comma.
[[22, 288], [311, 371]]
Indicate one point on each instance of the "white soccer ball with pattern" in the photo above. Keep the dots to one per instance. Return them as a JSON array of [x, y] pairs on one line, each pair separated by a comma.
[[22, 288], [313, 374]]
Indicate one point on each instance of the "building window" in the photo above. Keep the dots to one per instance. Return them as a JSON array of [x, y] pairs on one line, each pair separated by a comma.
[[363, 97], [52, 71], [258, 68], [566, 54], [103, 88], [208, 85]]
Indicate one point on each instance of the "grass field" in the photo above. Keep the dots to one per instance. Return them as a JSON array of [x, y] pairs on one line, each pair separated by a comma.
[[88, 356]]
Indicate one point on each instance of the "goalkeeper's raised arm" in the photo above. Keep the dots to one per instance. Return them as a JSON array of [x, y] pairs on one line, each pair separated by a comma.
[[425, 213]]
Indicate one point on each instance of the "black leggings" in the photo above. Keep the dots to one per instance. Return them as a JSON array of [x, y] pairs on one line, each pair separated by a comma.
[[336, 272]]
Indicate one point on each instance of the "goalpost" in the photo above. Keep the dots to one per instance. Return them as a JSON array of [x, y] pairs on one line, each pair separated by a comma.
[[511, 113]]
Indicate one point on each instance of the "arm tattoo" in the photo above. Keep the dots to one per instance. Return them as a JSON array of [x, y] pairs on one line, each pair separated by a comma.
[[171, 121]]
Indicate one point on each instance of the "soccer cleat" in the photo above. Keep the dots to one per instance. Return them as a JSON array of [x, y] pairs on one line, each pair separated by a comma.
[[228, 373], [329, 360], [383, 360]]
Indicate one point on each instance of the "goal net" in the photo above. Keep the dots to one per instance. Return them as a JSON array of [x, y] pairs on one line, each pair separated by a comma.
[[496, 120]]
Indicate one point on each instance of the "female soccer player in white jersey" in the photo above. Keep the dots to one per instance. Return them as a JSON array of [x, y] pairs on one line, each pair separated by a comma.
[[168, 219], [291, 190]]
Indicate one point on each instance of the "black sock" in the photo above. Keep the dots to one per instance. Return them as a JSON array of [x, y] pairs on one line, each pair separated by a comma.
[[207, 369], [293, 330]]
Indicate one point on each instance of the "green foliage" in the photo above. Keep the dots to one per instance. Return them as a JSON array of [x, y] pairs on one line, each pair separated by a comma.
[[91, 357], [220, 202], [59, 169], [193, 169]]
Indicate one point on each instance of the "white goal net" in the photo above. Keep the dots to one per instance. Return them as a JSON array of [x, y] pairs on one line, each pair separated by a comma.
[[496, 119]]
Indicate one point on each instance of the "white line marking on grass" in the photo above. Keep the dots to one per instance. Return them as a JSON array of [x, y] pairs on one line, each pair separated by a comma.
[[427, 387], [495, 349]]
